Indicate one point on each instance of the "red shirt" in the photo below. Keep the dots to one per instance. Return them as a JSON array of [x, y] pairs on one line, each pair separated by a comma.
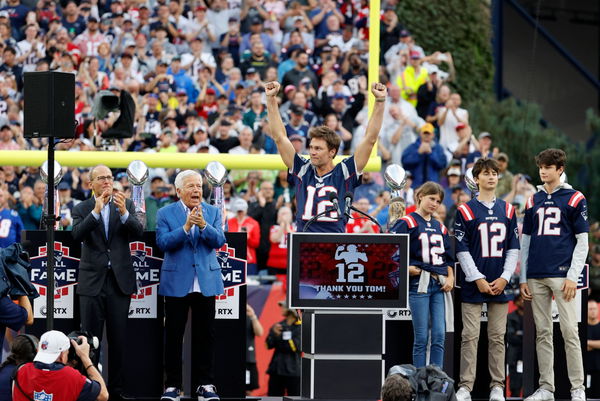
[[253, 233], [278, 254], [357, 222], [63, 384]]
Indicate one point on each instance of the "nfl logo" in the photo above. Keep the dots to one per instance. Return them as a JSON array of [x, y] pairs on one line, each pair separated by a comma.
[[42, 396]]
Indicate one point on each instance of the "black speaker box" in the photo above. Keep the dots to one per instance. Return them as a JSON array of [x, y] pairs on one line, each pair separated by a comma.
[[49, 104]]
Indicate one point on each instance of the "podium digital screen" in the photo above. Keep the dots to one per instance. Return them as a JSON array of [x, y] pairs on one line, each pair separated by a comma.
[[348, 271]]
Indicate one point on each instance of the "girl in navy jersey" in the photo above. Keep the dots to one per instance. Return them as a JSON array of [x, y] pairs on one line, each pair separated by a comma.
[[431, 274]]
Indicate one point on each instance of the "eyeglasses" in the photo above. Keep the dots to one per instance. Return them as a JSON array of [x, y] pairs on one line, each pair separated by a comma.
[[105, 178]]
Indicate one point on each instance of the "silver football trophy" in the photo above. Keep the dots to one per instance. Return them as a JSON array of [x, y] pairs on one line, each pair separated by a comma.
[[216, 175], [137, 174], [58, 174], [470, 181], [395, 177]]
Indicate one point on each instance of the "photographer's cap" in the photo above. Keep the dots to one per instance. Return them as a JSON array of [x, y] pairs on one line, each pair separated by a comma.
[[52, 343]]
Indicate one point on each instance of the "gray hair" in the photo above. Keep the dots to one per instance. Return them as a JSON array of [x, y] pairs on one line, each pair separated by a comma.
[[183, 175]]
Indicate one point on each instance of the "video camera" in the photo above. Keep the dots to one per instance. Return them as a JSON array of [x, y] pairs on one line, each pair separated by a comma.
[[74, 360]]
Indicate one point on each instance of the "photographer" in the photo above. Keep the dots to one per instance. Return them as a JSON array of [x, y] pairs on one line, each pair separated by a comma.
[[284, 369], [48, 373]]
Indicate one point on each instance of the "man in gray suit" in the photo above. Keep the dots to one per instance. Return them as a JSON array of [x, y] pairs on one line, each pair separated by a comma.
[[105, 224]]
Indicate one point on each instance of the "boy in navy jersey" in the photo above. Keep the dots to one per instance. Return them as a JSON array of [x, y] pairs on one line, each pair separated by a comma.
[[317, 178], [487, 248], [555, 246]]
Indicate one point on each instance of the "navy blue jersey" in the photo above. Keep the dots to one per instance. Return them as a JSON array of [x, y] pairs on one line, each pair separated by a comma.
[[312, 193], [552, 221], [11, 226], [429, 243], [486, 234]]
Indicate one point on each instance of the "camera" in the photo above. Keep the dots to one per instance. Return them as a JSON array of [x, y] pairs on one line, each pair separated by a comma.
[[74, 360]]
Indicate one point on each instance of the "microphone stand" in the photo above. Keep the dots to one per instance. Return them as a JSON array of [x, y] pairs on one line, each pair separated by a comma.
[[314, 218], [367, 216]]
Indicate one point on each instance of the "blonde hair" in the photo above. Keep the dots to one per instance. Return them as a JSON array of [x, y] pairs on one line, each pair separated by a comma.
[[397, 209]]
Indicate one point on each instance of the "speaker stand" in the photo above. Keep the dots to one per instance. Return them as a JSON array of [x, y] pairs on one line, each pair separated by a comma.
[[50, 219]]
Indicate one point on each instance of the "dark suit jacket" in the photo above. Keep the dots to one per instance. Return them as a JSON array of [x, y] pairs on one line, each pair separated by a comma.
[[96, 250]]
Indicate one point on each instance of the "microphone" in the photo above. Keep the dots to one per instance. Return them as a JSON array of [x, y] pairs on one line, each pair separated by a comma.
[[336, 204], [348, 203]]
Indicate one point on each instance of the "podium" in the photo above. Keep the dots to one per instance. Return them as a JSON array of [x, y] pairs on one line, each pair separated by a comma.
[[145, 344], [343, 282]]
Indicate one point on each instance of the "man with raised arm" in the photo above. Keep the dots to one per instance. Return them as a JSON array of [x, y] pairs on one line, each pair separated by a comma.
[[317, 178]]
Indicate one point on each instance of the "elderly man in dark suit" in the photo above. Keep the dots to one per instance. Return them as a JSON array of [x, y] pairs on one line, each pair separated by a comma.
[[105, 224], [188, 232]]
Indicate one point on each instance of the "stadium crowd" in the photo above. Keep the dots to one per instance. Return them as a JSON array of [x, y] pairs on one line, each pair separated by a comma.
[[195, 71]]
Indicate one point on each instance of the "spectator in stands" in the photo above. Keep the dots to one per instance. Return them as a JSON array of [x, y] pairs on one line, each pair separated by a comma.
[[427, 92], [297, 125], [441, 97], [11, 138], [359, 223], [454, 181], [264, 211], [72, 20], [449, 117], [278, 249], [505, 177], [67, 203], [412, 78], [424, 158], [300, 71], [224, 141], [485, 149], [10, 66], [29, 209], [11, 224], [159, 197], [368, 189], [401, 122], [520, 191], [241, 222]]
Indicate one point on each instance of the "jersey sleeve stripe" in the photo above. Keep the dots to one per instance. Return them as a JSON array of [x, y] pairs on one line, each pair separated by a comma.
[[466, 212], [410, 221], [345, 171], [575, 199], [303, 170], [510, 210], [444, 229], [529, 203]]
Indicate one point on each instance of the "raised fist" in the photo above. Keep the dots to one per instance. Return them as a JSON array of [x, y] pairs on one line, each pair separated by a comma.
[[272, 88], [379, 90]]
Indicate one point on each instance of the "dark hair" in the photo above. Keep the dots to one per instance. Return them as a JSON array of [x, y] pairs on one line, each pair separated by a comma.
[[396, 388], [10, 49], [332, 139], [300, 52], [551, 157], [22, 350], [429, 188], [485, 164]]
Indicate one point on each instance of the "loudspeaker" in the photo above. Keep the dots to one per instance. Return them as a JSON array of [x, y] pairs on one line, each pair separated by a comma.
[[49, 104]]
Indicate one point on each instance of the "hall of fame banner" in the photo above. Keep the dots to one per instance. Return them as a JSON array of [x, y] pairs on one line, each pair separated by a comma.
[[233, 270], [144, 303], [65, 278]]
